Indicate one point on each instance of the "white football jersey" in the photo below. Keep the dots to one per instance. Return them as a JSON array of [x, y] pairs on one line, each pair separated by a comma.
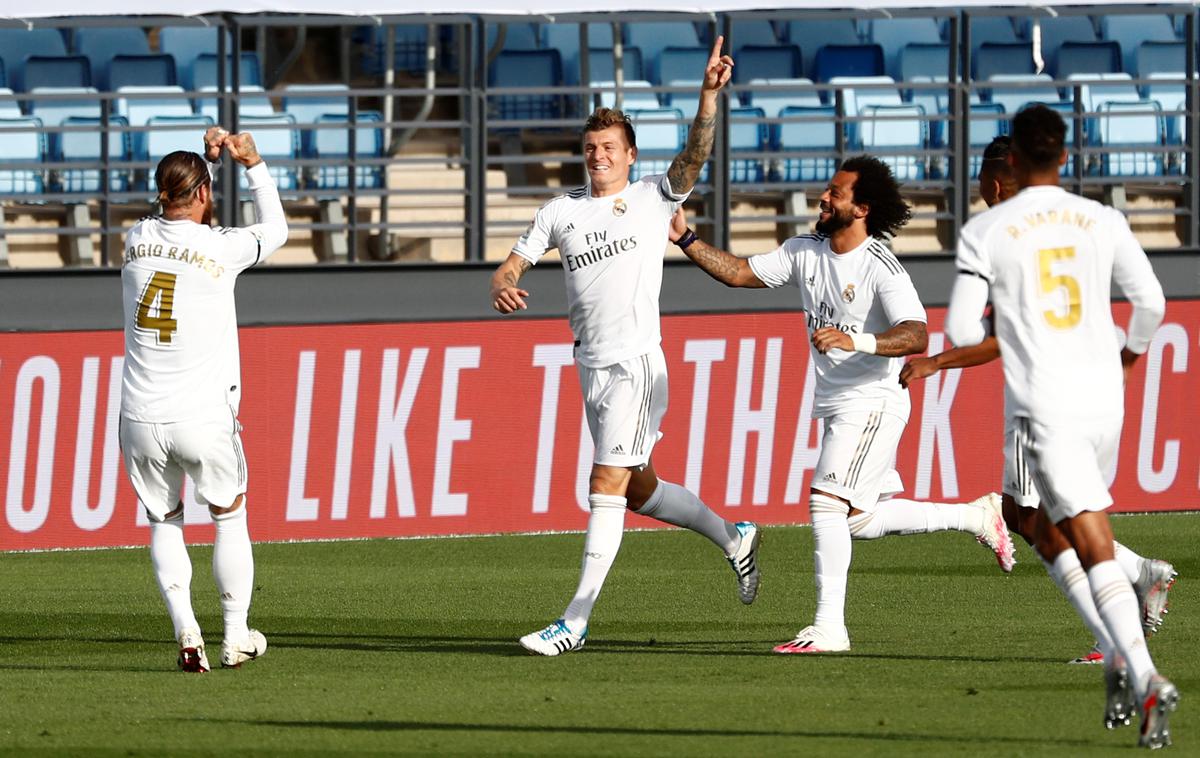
[[612, 251], [863, 291], [181, 345], [1050, 258]]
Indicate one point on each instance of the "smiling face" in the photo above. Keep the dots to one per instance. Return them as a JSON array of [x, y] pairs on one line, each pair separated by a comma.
[[608, 157], [838, 210]]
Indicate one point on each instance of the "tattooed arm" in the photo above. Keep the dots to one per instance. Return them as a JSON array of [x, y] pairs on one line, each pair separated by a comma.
[[685, 169], [905, 338], [506, 296], [726, 268]]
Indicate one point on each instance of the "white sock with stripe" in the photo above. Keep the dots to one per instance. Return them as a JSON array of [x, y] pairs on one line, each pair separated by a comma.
[[1131, 562], [233, 570], [677, 506], [1068, 574], [831, 562], [173, 570], [1119, 607], [900, 516], [606, 526]]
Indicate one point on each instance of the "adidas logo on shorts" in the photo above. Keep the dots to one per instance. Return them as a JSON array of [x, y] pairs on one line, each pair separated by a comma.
[[618, 450], [830, 477]]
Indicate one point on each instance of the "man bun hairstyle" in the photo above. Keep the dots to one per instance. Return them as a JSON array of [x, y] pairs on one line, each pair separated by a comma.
[[877, 189], [178, 177], [603, 118], [1038, 136]]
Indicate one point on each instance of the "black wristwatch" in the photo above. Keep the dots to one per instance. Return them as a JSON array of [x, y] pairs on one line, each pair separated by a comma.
[[687, 238]]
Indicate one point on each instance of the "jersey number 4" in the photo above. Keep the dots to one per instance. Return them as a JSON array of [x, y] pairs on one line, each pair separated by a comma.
[[1052, 283], [159, 297]]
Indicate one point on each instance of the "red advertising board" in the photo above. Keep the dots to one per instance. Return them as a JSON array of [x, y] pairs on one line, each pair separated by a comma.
[[476, 427]]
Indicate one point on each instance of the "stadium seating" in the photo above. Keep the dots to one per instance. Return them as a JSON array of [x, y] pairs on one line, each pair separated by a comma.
[[1088, 58], [894, 34], [921, 59], [140, 71], [861, 92], [806, 130], [3, 75], [1137, 124], [602, 67], [899, 126], [82, 142], [991, 30], [810, 35], [249, 104], [1002, 59], [409, 53], [847, 60], [307, 103], [685, 97], [55, 71], [773, 101], [278, 143], [20, 142], [517, 36], [1015, 91], [100, 44], [935, 103], [526, 68], [172, 133], [335, 143], [659, 137], [1131, 31], [148, 103], [747, 134], [565, 39], [1169, 91], [1060, 29], [654, 37], [676, 63], [18, 44], [635, 95], [204, 72], [763, 62], [187, 43], [752, 32], [9, 107], [1160, 58], [987, 121]]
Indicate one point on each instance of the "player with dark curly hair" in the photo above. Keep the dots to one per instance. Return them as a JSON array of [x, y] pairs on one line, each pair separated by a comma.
[[864, 316]]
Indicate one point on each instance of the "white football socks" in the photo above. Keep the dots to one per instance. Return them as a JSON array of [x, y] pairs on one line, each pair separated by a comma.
[[606, 525], [233, 571], [173, 570], [1131, 562], [831, 562], [1118, 606], [1068, 574], [677, 506], [900, 516]]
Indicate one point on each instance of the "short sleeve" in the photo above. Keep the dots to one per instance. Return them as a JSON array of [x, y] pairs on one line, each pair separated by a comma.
[[539, 237], [673, 198], [776, 268], [899, 299], [971, 256]]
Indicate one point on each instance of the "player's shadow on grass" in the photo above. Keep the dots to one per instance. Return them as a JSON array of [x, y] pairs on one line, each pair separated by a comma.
[[434, 726]]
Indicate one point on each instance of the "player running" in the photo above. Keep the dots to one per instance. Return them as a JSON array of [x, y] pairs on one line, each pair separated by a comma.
[[612, 236], [182, 382], [1151, 578], [1048, 259], [864, 316]]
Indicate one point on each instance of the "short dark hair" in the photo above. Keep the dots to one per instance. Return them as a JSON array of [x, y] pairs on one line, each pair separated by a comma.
[[998, 149], [1038, 136], [877, 189], [603, 118]]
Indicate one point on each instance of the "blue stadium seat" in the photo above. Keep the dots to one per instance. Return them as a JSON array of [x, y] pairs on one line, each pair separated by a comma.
[[278, 143], [335, 144], [987, 121], [53, 112], [8, 106], [993, 30], [307, 103], [1095, 89], [773, 101], [676, 63], [602, 67], [934, 102], [565, 39], [140, 104], [18, 44], [1015, 91], [81, 142], [810, 35], [3, 75], [56, 71], [653, 37], [1134, 125], [752, 32], [686, 97], [636, 94], [861, 92], [251, 103], [847, 60], [761, 62], [140, 71], [100, 44], [1169, 91], [659, 138], [1088, 58], [172, 133], [1061, 29], [517, 36], [20, 142], [1131, 31], [921, 59], [203, 72], [187, 43], [747, 134], [806, 130], [526, 68], [1160, 58], [1001, 59], [893, 34], [899, 126]]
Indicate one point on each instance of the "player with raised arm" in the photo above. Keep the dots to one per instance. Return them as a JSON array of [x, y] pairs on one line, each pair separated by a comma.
[[1151, 578], [1049, 258], [864, 317], [182, 382], [612, 236]]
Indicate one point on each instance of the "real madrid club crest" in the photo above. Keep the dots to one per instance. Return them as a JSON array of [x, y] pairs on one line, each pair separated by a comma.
[[848, 293], [619, 207]]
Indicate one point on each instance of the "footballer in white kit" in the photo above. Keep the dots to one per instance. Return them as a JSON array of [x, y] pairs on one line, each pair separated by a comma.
[[612, 236], [1048, 260], [1151, 578], [182, 382], [864, 316]]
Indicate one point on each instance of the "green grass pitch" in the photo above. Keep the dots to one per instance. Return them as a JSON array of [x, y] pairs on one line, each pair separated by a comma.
[[410, 647]]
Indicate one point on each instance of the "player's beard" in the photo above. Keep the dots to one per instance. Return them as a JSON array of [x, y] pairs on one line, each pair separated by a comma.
[[206, 219], [837, 221]]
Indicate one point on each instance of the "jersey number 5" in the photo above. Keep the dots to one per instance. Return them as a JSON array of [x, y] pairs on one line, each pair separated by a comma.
[[1052, 283], [160, 288]]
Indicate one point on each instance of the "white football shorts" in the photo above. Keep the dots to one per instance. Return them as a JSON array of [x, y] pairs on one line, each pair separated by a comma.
[[1018, 481], [1067, 463], [625, 404], [209, 451], [858, 458]]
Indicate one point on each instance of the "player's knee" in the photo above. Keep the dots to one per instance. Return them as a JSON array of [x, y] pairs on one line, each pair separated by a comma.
[[643, 494], [863, 526], [232, 511], [822, 502], [171, 517]]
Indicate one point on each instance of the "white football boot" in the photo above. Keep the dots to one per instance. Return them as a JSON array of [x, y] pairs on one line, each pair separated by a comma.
[[744, 561], [1153, 583], [236, 652], [191, 652], [1160, 701], [811, 639], [555, 639], [995, 535], [1120, 699]]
